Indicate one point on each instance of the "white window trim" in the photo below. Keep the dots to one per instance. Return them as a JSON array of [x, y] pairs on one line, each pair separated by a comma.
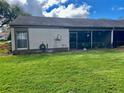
[[22, 48]]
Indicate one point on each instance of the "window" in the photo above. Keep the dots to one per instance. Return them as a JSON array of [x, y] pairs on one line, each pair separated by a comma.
[[21, 39]]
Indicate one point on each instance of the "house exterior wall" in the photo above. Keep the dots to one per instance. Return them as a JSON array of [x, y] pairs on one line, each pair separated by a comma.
[[47, 36], [0, 29], [13, 39]]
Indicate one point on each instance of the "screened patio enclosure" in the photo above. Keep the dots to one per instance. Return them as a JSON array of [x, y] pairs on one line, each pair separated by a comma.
[[118, 38], [90, 39]]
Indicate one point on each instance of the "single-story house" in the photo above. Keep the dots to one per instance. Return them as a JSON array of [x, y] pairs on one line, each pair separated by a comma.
[[35, 34]]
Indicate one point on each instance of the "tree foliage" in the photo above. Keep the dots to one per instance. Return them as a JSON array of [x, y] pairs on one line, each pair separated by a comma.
[[4, 8], [10, 11]]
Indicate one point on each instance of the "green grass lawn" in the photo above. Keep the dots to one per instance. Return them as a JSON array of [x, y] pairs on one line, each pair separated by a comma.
[[72, 72]]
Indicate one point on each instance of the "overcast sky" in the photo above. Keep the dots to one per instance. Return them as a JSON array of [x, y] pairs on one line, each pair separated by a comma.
[[111, 9]]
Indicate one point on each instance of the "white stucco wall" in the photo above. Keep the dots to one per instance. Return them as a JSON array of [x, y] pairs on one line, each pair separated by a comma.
[[13, 39], [0, 29], [38, 36]]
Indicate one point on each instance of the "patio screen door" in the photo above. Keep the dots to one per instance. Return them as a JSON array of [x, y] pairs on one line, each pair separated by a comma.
[[73, 40]]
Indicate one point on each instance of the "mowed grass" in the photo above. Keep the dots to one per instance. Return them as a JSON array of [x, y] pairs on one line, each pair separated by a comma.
[[71, 72]]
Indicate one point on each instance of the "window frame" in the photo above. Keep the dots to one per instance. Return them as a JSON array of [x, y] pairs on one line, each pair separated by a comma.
[[17, 30]]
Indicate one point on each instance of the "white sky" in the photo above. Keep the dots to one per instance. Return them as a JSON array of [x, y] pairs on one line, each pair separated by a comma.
[[61, 11], [23, 1]]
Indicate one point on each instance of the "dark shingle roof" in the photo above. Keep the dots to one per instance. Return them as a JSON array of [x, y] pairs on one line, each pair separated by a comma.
[[65, 22]]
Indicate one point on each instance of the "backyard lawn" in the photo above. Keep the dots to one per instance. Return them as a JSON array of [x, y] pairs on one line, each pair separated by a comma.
[[71, 72]]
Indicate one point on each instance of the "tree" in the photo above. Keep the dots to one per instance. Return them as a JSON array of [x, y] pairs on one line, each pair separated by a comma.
[[4, 9], [10, 12], [16, 11]]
